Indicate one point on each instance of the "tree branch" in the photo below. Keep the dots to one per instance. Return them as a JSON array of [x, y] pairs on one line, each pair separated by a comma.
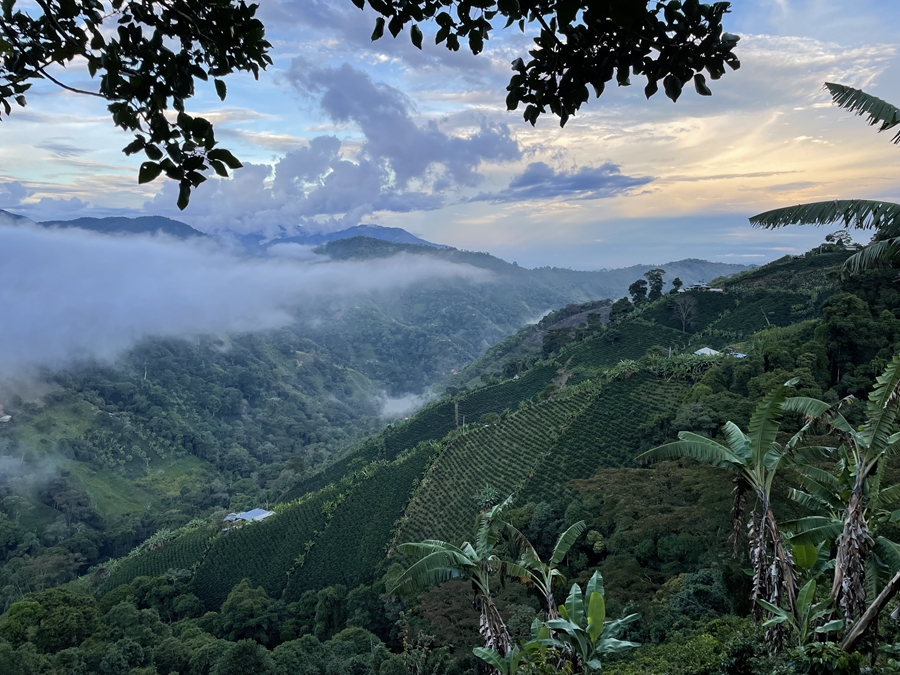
[[67, 87]]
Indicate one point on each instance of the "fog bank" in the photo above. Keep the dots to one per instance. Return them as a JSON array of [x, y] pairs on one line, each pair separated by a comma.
[[72, 294]]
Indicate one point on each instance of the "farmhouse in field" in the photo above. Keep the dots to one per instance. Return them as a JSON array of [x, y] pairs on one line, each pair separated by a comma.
[[255, 515]]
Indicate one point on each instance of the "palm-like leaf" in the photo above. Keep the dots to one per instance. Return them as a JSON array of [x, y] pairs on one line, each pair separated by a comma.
[[859, 102], [765, 422], [565, 542], [862, 214], [435, 568], [696, 447], [884, 253], [882, 407]]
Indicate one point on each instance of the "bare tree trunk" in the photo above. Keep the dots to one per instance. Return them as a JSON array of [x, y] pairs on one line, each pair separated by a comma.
[[759, 560], [784, 560], [492, 628], [737, 516], [871, 614], [848, 590]]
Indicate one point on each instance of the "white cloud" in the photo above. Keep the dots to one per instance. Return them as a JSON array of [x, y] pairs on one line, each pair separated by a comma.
[[70, 294]]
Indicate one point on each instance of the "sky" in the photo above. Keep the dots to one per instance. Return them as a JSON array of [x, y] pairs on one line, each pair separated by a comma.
[[626, 181]]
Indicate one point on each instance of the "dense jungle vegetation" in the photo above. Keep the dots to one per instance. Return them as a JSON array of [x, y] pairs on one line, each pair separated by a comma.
[[555, 416]]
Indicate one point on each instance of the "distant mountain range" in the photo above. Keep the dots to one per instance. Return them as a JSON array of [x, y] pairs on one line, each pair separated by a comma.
[[258, 243], [254, 243]]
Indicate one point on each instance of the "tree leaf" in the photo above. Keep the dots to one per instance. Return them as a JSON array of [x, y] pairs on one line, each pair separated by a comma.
[[415, 33], [221, 89], [184, 194], [148, 172], [223, 155]]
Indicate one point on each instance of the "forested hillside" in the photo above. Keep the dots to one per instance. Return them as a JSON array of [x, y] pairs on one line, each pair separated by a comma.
[[561, 413]]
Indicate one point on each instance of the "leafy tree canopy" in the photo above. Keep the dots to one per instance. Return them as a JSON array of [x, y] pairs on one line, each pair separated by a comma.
[[146, 56], [580, 44]]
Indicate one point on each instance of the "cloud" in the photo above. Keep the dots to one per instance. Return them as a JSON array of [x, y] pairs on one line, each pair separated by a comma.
[[540, 181], [384, 115], [72, 294], [62, 150], [400, 166], [11, 194]]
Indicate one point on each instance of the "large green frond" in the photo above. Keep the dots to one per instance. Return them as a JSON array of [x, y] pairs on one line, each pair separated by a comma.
[[765, 422], [878, 254], [696, 447], [565, 542], [882, 407], [817, 475], [421, 548], [863, 214], [889, 552], [812, 502], [737, 440], [889, 496], [859, 102], [433, 569], [814, 530]]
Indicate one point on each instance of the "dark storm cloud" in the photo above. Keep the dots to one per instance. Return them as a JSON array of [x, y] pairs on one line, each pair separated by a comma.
[[541, 181]]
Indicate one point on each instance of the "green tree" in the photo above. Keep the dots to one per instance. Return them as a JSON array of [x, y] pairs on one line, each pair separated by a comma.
[[755, 458], [620, 309], [655, 282], [245, 657], [580, 44], [638, 292], [881, 217], [677, 283], [546, 575], [248, 613]]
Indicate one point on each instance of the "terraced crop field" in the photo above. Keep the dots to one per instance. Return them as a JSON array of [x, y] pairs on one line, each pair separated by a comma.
[[263, 552], [607, 433], [508, 394], [501, 455], [182, 553], [354, 542], [430, 424], [758, 310], [632, 342], [709, 307]]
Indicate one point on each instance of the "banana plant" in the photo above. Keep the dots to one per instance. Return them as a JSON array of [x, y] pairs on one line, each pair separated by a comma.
[[809, 613], [582, 629], [441, 561], [545, 575], [755, 457], [827, 495]]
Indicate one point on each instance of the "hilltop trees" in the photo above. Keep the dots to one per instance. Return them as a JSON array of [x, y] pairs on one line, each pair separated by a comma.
[[655, 283], [638, 292]]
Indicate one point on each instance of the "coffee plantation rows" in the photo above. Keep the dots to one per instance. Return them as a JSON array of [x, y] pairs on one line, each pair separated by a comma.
[[182, 553], [501, 455], [760, 309], [626, 341], [264, 552], [353, 544], [709, 307], [432, 423], [606, 433]]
